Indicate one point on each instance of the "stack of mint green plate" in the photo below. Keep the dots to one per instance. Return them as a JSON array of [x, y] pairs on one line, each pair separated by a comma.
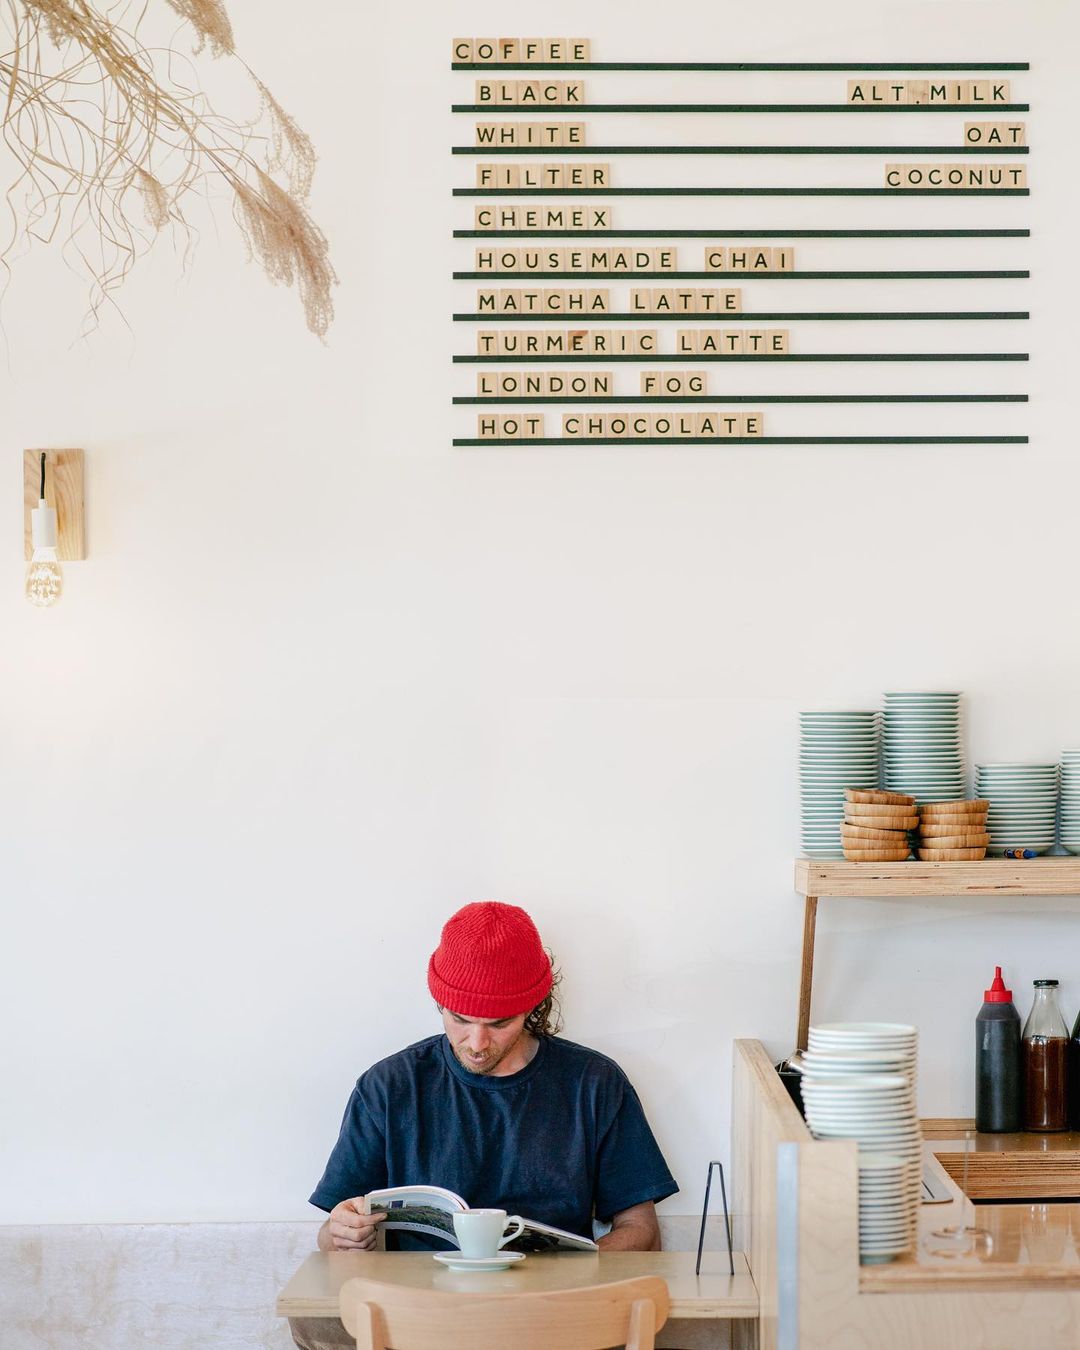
[[921, 748], [1023, 805], [1070, 800], [837, 750]]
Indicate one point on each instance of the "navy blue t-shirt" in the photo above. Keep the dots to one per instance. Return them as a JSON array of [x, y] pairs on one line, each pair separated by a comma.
[[561, 1140]]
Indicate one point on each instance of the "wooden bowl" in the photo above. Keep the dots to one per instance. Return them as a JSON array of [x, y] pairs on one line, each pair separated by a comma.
[[951, 854], [880, 808], [854, 832], [956, 841], [874, 796], [877, 854], [853, 817], [972, 807], [949, 825]]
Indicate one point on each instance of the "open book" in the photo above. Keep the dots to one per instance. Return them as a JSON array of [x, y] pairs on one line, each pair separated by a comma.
[[430, 1209]]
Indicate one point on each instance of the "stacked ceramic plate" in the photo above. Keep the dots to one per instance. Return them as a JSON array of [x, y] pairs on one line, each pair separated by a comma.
[[859, 1083], [837, 750], [921, 745], [1023, 805], [885, 1219], [1070, 800]]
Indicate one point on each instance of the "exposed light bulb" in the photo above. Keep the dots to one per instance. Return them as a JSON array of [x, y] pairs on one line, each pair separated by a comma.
[[44, 580]]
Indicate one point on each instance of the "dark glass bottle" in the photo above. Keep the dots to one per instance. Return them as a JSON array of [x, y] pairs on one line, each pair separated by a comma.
[[1044, 1051], [1074, 1076], [998, 1087]]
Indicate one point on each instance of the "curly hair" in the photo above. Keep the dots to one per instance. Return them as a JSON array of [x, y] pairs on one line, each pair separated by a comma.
[[546, 1018]]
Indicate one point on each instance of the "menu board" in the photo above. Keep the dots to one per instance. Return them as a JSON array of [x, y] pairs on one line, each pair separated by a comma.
[[855, 281]]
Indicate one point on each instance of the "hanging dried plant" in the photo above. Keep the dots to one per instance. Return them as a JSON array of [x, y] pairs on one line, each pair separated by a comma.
[[100, 123]]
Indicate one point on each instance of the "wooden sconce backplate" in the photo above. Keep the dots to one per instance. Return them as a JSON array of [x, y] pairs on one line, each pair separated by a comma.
[[64, 492]]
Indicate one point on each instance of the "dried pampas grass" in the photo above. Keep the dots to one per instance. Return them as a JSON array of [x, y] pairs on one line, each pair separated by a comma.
[[210, 21], [97, 122]]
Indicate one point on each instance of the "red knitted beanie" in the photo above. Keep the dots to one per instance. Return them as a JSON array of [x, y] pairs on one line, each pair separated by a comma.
[[490, 962]]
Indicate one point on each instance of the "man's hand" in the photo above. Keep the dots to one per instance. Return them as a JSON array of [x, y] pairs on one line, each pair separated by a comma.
[[349, 1229]]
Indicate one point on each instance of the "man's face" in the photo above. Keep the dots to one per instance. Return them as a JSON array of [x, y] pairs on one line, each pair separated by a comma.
[[480, 1044]]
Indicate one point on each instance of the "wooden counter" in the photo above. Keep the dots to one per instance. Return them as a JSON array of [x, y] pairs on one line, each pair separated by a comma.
[[1021, 1246], [1014, 1287], [1025, 1166]]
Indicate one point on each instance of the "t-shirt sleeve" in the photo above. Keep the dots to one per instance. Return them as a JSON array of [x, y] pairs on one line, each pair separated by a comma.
[[630, 1167], [358, 1161]]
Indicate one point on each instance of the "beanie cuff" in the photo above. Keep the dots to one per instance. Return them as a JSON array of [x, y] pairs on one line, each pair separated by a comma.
[[470, 1003]]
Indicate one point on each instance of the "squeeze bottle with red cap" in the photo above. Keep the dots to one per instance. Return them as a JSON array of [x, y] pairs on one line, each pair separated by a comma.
[[998, 1081]]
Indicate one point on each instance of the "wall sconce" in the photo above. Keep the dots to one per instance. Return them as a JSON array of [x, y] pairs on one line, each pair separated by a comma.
[[53, 519]]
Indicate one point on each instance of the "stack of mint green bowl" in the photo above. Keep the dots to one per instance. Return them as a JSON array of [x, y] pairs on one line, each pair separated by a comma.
[[1070, 800], [921, 746], [1023, 805], [837, 750]]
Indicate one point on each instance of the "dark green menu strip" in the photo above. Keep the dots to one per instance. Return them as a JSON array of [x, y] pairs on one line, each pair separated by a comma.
[[494, 67], [750, 440], [741, 192], [613, 399], [647, 358], [558, 151], [563, 109], [744, 234], [742, 316], [732, 278]]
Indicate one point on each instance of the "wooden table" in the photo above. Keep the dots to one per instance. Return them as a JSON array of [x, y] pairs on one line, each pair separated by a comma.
[[714, 1295]]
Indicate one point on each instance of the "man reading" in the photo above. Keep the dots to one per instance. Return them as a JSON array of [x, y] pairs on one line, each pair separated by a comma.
[[499, 1108]]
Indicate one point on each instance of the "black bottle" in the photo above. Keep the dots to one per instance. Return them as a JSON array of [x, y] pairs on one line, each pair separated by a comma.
[[998, 1090], [1073, 1076]]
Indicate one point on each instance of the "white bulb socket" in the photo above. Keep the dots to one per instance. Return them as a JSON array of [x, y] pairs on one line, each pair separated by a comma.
[[43, 526]]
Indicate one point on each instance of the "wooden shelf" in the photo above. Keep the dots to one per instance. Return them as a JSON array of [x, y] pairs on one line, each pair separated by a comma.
[[991, 876], [836, 877]]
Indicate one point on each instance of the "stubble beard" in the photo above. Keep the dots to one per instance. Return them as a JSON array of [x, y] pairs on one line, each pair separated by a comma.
[[488, 1064]]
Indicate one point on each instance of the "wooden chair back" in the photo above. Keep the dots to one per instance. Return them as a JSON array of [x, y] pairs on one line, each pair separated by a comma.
[[385, 1316]]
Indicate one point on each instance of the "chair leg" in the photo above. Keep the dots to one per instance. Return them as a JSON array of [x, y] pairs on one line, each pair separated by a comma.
[[642, 1325], [368, 1330]]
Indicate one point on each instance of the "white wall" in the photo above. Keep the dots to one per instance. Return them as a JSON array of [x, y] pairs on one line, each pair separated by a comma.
[[324, 678]]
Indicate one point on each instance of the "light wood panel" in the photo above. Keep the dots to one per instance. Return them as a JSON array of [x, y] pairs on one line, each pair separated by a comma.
[[991, 876], [946, 1127], [714, 1294], [63, 492], [763, 1117]]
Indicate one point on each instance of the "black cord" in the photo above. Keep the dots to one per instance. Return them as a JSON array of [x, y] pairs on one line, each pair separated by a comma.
[[41, 492]]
